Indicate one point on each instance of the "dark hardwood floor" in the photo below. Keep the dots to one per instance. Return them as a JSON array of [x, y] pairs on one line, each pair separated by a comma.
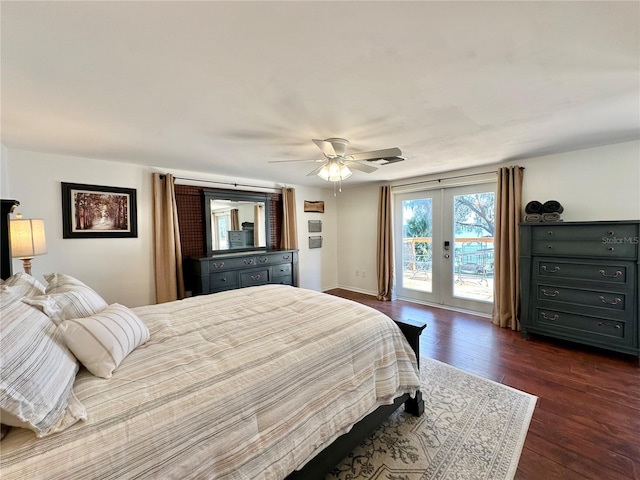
[[586, 424]]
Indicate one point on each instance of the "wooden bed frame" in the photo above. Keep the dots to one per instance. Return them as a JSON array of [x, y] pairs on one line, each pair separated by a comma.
[[327, 459]]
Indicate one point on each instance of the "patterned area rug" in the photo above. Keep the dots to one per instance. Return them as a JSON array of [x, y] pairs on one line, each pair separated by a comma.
[[472, 428]]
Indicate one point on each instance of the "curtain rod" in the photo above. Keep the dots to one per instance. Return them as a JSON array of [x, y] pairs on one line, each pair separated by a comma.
[[447, 178], [226, 183]]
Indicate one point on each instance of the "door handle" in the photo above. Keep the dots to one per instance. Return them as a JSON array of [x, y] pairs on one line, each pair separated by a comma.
[[446, 255]]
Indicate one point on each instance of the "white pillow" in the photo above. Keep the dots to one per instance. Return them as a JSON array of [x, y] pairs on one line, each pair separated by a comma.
[[37, 372], [102, 341], [67, 297], [19, 285]]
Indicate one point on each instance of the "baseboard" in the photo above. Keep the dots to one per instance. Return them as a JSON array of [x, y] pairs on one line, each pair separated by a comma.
[[357, 290]]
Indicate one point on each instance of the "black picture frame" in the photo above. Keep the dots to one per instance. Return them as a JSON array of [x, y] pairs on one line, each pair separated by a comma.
[[111, 211]]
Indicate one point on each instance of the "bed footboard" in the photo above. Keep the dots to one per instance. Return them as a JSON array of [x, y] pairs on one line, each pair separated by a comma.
[[412, 330], [326, 460]]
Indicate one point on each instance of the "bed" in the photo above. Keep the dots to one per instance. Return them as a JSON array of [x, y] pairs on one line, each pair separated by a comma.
[[265, 382]]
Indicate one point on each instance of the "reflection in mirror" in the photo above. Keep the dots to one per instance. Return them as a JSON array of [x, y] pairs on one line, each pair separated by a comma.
[[237, 224], [235, 220]]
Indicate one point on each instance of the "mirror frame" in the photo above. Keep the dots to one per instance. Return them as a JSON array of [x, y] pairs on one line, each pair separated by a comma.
[[209, 194]]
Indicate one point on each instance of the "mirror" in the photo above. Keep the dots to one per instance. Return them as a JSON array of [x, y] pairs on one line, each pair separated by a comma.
[[235, 221]]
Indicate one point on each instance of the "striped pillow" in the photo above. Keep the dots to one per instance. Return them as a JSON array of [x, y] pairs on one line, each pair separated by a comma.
[[19, 285], [67, 297], [37, 372], [102, 341]]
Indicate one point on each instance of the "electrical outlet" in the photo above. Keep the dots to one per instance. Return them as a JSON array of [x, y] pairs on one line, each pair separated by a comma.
[[362, 273], [357, 272]]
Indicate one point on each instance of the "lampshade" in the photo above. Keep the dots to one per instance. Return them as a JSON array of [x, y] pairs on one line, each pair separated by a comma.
[[334, 171], [27, 238]]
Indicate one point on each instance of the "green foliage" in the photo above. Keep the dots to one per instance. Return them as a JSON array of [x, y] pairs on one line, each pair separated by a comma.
[[420, 224], [475, 213]]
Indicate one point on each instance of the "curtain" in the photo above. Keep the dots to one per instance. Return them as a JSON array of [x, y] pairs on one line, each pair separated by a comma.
[[384, 260], [168, 253], [235, 220], [259, 238], [289, 231], [506, 281], [215, 229]]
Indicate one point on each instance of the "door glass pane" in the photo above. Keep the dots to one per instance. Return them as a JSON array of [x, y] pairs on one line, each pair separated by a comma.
[[474, 221], [417, 232]]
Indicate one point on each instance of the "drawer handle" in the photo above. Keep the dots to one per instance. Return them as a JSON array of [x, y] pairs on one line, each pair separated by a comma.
[[611, 249], [554, 294], [218, 265], [544, 315], [550, 232], [601, 324], [549, 247], [263, 260], [555, 269], [616, 300], [611, 232], [249, 261], [615, 275], [256, 277], [286, 257]]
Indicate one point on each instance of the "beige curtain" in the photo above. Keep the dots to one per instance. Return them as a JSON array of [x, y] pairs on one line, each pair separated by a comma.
[[235, 220], [506, 281], [384, 260], [168, 253], [258, 226], [215, 229], [289, 231]]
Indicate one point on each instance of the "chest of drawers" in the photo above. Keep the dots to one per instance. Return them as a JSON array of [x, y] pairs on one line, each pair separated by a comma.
[[579, 282], [240, 238], [247, 269]]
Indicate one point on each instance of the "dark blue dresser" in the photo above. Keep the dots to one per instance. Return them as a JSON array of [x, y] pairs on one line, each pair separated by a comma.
[[580, 282]]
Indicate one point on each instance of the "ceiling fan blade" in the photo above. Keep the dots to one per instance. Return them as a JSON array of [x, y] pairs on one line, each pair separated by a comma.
[[375, 154], [326, 147], [361, 167], [285, 161], [315, 171]]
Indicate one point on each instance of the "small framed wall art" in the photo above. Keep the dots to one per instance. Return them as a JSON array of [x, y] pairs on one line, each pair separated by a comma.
[[96, 211], [314, 206]]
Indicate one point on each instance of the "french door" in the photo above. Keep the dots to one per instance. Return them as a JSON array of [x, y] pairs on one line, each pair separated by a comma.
[[444, 246]]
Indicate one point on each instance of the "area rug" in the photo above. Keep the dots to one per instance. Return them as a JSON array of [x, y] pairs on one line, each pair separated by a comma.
[[472, 428]]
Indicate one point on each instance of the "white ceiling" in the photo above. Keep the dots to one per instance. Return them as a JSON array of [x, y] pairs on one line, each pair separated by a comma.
[[224, 87]]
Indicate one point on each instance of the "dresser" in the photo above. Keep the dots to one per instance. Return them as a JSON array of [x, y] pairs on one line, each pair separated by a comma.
[[229, 271], [580, 282], [240, 238]]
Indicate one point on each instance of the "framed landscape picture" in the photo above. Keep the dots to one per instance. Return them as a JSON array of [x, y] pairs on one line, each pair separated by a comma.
[[96, 211]]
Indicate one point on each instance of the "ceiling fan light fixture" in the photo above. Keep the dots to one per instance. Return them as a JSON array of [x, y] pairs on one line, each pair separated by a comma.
[[334, 171]]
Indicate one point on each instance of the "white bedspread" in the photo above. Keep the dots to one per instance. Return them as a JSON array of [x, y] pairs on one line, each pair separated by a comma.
[[246, 384]]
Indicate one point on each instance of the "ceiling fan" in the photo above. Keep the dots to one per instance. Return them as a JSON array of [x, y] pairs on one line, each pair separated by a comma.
[[336, 166]]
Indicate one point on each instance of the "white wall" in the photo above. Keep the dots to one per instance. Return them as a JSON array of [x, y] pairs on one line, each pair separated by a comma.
[[600, 183], [121, 269], [4, 173], [317, 265], [593, 184], [357, 226]]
